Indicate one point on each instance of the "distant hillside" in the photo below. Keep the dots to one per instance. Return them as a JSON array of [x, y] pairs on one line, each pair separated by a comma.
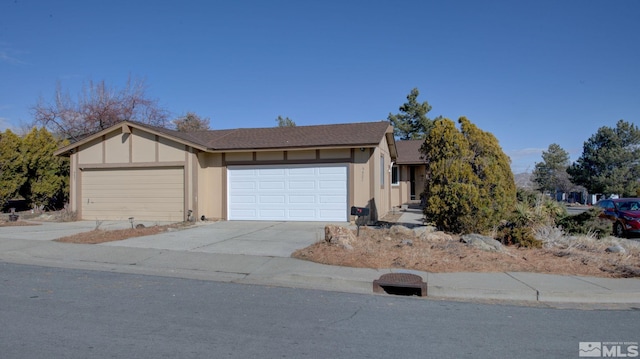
[[523, 180]]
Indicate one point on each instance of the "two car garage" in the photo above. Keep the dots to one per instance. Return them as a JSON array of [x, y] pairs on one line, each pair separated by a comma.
[[287, 193], [258, 193]]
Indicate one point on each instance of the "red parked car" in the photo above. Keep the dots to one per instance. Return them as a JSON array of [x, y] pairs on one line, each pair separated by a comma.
[[624, 213]]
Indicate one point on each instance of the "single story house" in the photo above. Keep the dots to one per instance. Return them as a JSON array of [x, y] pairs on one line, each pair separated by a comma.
[[301, 173]]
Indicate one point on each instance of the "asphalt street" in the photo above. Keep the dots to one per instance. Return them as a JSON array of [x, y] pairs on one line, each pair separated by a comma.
[[69, 313]]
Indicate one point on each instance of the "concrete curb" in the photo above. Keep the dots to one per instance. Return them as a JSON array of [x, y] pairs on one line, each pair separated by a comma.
[[290, 272]]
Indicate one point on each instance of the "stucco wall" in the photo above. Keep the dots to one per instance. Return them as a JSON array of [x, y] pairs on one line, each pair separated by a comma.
[[91, 152], [132, 149], [212, 174], [137, 147], [382, 179], [360, 182], [212, 179]]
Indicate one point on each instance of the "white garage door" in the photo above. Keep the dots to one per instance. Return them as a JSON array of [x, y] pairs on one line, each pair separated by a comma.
[[153, 194], [288, 193]]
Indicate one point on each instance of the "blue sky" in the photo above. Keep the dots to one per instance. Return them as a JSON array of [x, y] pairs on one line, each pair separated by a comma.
[[532, 73]]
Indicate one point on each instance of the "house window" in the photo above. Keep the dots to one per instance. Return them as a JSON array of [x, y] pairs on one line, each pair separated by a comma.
[[395, 176], [381, 171]]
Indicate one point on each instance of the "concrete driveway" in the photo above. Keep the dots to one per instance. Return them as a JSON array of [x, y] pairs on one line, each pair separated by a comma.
[[271, 239]]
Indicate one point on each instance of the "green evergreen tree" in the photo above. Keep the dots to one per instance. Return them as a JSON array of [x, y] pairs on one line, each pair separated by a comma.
[[451, 188], [610, 161], [412, 121], [12, 167], [497, 185], [469, 185], [551, 175], [47, 175], [285, 122]]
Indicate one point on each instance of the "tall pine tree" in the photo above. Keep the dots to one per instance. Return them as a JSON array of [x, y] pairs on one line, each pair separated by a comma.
[[411, 122]]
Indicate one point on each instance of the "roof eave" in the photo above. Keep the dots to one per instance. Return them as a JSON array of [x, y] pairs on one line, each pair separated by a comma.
[[391, 142], [289, 148]]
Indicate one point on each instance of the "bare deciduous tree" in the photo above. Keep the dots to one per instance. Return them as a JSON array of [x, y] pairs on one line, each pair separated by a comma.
[[97, 107]]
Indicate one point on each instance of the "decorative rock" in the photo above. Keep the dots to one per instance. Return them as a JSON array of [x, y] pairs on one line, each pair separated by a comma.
[[482, 242], [139, 226], [435, 236], [340, 236], [616, 249], [401, 230], [418, 231]]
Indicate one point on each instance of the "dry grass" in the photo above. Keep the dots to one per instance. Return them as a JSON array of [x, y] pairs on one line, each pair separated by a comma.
[[441, 252], [98, 236], [17, 224]]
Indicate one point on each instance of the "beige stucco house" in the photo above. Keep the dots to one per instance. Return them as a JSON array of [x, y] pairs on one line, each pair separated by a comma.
[[408, 173], [303, 173]]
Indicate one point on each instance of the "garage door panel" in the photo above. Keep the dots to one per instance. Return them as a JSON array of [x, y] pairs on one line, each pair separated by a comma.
[[302, 214], [148, 200], [272, 185], [339, 200], [295, 199], [302, 171], [239, 184], [298, 193], [246, 212], [273, 214], [132, 187], [331, 184], [272, 199], [326, 215], [244, 199], [302, 185], [267, 172], [145, 194]]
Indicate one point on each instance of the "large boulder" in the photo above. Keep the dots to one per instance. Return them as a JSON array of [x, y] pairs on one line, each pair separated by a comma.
[[482, 242], [339, 236], [435, 236], [418, 231], [402, 231]]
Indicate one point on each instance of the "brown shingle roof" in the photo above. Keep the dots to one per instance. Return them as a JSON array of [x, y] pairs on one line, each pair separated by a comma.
[[349, 134], [409, 152], [363, 134]]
